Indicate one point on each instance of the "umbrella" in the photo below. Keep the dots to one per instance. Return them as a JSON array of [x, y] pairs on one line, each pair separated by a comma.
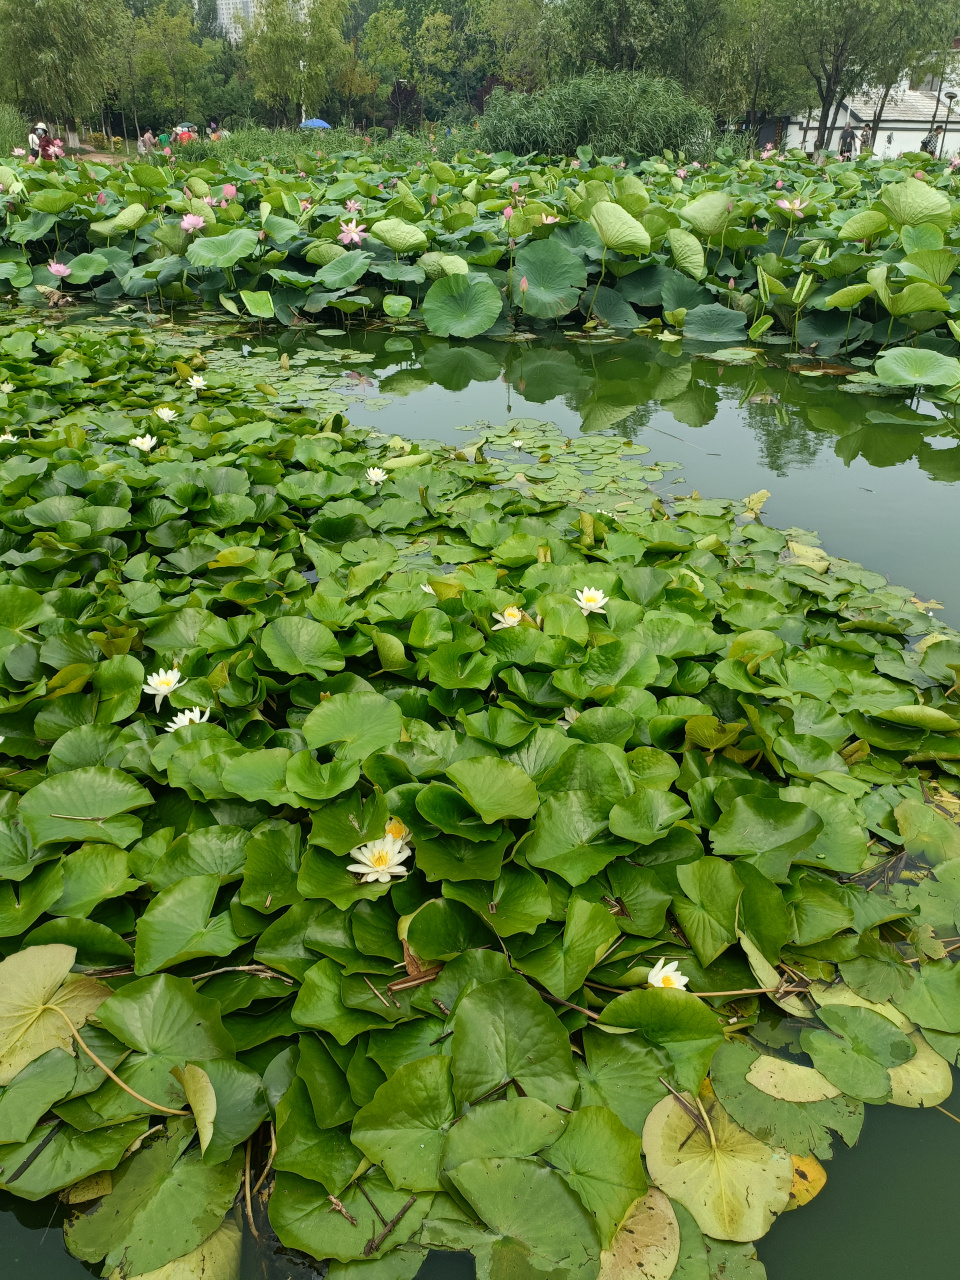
[[314, 124], [181, 127]]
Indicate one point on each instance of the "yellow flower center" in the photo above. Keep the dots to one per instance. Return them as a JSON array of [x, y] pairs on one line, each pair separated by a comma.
[[380, 858], [668, 980]]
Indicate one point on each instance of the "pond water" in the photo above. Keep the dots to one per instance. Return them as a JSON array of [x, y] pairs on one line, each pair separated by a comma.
[[874, 476]]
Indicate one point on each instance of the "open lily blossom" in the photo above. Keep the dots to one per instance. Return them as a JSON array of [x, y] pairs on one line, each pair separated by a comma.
[[8, 438], [665, 974], [794, 207], [350, 233], [512, 616], [379, 860], [397, 829], [353, 206], [197, 382], [59, 269], [19, 151], [162, 683], [191, 222], [165, 413], [7, 387], [591, 600], [192, 716], [375, 475], [146, 444]]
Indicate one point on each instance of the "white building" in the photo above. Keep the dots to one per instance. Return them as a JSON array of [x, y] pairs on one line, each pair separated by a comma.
[[230, 14], [908, 116]]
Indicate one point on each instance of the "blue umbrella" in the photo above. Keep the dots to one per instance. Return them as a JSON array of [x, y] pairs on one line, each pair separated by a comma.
[[314, 124]]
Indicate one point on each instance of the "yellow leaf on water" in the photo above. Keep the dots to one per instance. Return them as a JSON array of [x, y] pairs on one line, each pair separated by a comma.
[[789, 1081], [809, 1179], [92, 1188], [647, 1246]]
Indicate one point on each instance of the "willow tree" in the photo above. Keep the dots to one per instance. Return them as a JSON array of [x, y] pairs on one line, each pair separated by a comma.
[[294, 52]]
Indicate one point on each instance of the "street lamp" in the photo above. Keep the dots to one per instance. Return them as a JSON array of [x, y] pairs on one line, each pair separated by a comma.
[[950, 97]]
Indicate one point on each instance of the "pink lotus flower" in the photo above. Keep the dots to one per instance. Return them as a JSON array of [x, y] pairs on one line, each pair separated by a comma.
[[548, 217], [574, 164], [681, 173], [433, 200], [191, 222], [304, 206], [167, 151], [508, 213], [731, 283], [208, 200], [229, 191], [695, 164], [350, 233], [19, 151], [919, 174], [58, 268], [366, 139], [524, 284], [794, 207], [515, 187], [261, 235], [102, 198], [779, 184], [354, 206], [301, 175]]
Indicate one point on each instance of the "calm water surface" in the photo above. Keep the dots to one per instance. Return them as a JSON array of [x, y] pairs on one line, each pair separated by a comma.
[[877, 479]]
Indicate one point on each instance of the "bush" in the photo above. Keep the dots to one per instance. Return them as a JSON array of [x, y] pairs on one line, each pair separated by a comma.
[[613, 112], [282, 146], [14, 128]]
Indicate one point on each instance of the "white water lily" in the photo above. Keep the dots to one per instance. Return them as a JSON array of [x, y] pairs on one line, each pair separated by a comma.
[[376, 475], [379, 860], [428, 589], [667, 975], [518, 444], [8, 437], [183, 718], [145, 444], [162, 683], [395, 827], [196, 383], [6, 387], [591, 600], [512, 616], [165, 414]]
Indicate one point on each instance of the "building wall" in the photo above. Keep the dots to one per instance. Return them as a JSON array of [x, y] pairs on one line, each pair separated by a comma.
[[229, 13]]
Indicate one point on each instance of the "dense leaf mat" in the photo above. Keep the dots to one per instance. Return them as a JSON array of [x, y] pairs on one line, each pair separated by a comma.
[[377, 817]]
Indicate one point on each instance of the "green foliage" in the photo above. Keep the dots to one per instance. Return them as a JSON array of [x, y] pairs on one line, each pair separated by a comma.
[[467, 910]]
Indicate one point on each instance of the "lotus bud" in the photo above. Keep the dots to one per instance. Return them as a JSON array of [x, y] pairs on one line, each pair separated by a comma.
[[524, 284], [508, 213]]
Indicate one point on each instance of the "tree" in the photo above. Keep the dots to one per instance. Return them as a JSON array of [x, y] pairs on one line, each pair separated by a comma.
[[519, 35], [294, 52], [168, 58], [57, 55], [383, 48], [614, 35]]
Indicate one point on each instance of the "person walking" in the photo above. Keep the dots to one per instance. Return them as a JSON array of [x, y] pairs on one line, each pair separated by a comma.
[[49, 147], [866, 138], [33, 141], [931, 142], [149, 140], [848, 142]]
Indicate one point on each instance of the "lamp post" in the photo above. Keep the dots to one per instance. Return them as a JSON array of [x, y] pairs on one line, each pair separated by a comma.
[[950, 97]]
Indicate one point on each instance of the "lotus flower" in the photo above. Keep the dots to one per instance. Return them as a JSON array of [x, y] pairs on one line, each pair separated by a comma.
[[146, 444], [375, 475], [515, 187], [524, 284], [350, 233], [379, 860], [59, 269], [591, 600], [102, 198], [229, 191], [681, 173], [512, 616], [196, 383], [167, 151], [223, 204], [353, 206], [191, 222], [183, 718], [208, 200], [667, 975], [508, 213], [304, 205], [18, 151], [165, 414], [794, 207], [548, 218], [574, 164], [162, 683]]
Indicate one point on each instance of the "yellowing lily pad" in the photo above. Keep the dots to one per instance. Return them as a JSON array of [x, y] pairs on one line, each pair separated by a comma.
[[809, 1179], [925, 1081], [647, 1245], [789, 1081]]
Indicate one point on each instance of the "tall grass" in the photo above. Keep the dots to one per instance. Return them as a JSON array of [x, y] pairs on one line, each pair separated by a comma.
[[615, 112], [14, 128]]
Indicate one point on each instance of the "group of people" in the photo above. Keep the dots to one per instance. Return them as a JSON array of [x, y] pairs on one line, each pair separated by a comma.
[[149, 141], [849, 140]]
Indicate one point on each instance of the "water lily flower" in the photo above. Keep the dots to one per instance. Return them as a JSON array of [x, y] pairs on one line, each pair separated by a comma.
[[518, 444], [8, 438], [19, 151], [146, 444], [428, 589], [667, 975], [379, 860], [396, 828], [6, 387], [350, 233], [512, 616], [524, 284], [196, 383], [353, 206], [183, 718], [162, 683], [591, 600], [229, 191], [376, 475], [165, 414], [58, 269], [794, 207], [102, 198], [191, 222]]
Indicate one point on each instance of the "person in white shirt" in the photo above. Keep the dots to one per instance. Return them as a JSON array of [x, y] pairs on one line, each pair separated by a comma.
[[33, 142]]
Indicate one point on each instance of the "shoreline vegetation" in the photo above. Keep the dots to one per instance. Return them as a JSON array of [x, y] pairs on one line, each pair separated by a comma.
[[413, 846]]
